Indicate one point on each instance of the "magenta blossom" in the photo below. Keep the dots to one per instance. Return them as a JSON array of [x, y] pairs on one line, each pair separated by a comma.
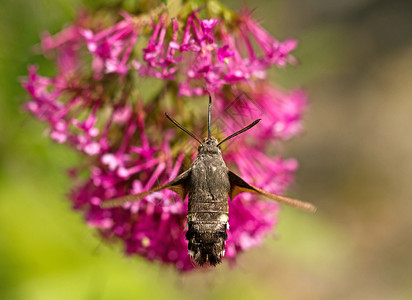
[[113, 83]]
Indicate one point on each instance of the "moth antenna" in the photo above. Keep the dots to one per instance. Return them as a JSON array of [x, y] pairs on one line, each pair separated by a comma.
[[184, 129], [240, 131], [209, 117]]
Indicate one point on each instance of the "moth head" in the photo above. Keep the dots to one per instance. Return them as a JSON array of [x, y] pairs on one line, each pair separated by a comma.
[[209, 145]]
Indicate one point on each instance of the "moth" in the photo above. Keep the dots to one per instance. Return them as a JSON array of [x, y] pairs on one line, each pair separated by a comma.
[[209, 183]]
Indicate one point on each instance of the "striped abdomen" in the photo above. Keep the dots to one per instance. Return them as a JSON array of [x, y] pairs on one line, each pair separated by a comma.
[[207, 222], [207, 216]]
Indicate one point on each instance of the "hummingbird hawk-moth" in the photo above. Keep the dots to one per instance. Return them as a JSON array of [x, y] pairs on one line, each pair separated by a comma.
[[209, 183]]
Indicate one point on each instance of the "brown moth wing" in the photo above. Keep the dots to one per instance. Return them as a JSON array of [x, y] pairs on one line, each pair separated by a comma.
[[238, 185], [178, 185]]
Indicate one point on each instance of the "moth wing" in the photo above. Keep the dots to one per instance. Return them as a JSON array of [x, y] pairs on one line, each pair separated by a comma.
[[178, 185], [238, 185]]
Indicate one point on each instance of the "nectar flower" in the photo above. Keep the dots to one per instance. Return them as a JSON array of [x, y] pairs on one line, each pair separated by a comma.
[[114, 81]]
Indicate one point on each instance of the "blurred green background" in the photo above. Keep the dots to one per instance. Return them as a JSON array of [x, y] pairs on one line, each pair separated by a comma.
[[355, 165]]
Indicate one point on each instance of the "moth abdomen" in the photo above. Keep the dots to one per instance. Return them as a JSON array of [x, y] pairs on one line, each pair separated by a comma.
[[206, 240]]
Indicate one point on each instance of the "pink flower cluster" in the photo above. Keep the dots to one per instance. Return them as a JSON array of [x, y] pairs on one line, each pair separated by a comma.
[[94, 105], [206, 55]]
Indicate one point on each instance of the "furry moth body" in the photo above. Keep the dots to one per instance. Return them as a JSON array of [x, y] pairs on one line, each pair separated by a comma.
[[208, 211], [209, 183]]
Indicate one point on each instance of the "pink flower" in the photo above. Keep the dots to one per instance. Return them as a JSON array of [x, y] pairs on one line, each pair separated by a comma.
[[273, 52], [224, 53], [111, 48], [102, 104]]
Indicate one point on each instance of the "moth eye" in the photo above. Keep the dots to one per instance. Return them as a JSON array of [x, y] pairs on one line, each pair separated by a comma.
[[209, 142]]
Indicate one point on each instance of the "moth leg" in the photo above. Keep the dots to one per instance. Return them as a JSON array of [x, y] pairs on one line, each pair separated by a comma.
[[238, 185], [178, 185]]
